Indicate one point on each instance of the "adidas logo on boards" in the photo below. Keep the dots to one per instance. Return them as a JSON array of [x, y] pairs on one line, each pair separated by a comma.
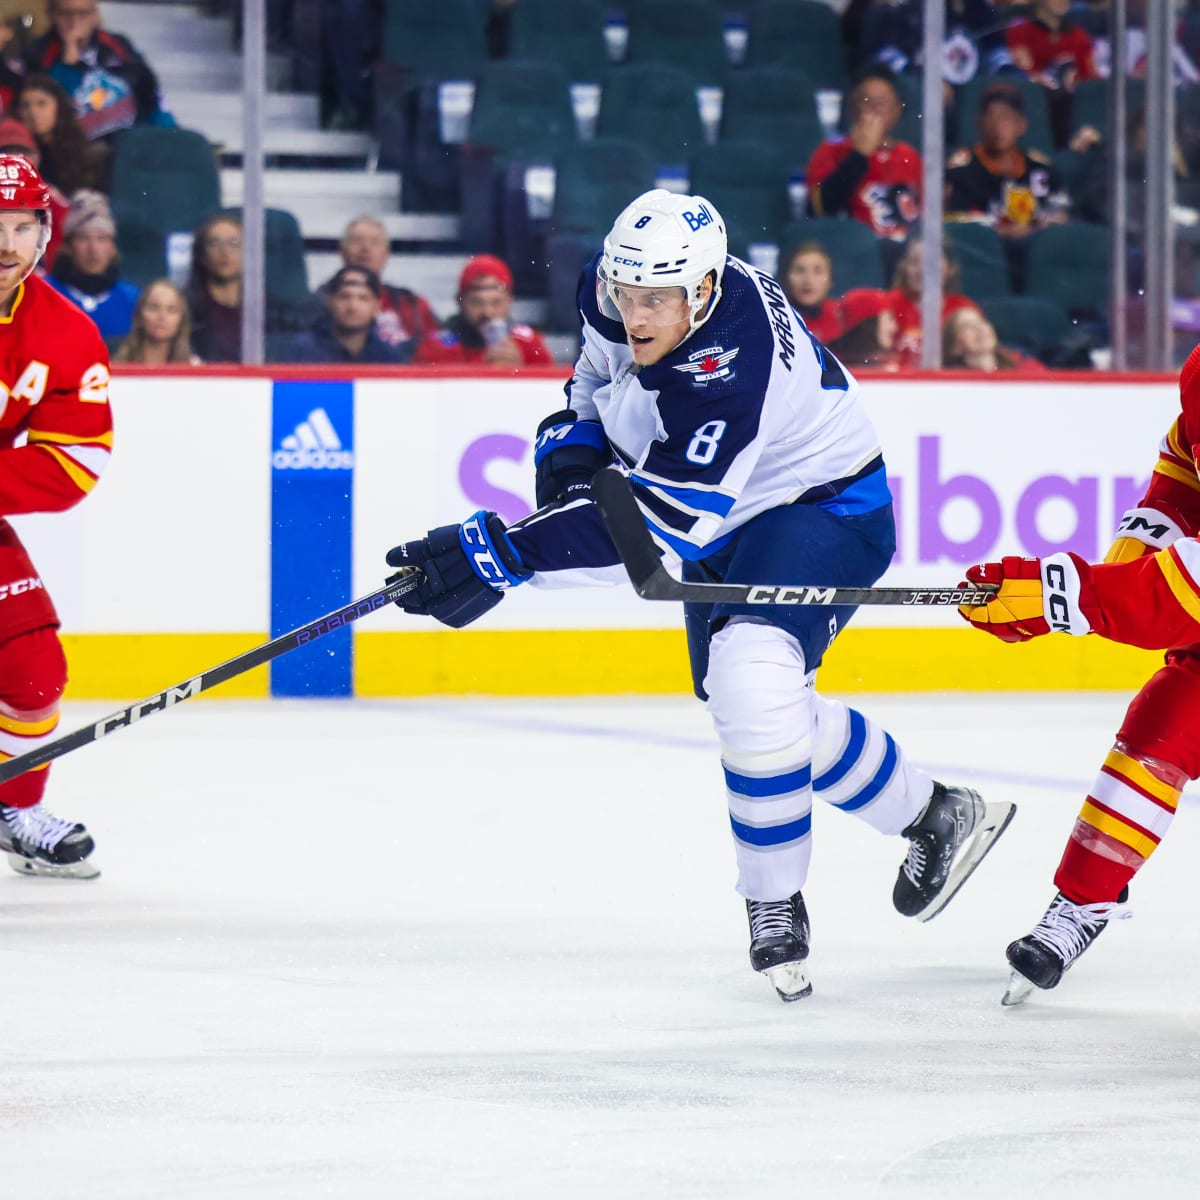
[[314, 445]]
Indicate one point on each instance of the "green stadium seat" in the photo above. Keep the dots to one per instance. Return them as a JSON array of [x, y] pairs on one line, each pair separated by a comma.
[[982, 258], [775, 105], [748, 182], [571, 35], [654, 104], [684, 33], [804, 35], [1069, 265], [163, 181]]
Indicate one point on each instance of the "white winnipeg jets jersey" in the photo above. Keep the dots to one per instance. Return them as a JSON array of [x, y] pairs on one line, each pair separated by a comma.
[[747, 414]]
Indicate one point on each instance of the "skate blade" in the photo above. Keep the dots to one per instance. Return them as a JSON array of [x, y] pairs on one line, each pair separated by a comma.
[[1018, 991], [996, 818], [790, 980], [33, 867]]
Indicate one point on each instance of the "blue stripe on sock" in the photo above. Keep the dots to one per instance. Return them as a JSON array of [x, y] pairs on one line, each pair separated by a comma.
[[849, 759], [771, 785], [772, 835], [887, 769]]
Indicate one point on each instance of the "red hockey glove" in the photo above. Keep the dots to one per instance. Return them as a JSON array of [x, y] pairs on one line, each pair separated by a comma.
[[1034, 596]]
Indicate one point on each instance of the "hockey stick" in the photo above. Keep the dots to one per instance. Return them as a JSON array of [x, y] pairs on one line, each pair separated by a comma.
[[650, 579], [171, 696]]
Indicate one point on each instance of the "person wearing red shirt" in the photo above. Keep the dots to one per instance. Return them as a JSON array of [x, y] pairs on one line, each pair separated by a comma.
[[55, 440], [867, 174], [1051, 49], [1055, 53], [1146, 593], [903, 301], [482, 331]]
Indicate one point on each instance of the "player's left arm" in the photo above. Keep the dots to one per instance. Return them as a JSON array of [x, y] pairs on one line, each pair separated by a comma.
[[69, 434]]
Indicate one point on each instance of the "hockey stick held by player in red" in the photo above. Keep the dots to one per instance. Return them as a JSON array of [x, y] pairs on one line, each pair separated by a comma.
[[650, 579], [171, 696]]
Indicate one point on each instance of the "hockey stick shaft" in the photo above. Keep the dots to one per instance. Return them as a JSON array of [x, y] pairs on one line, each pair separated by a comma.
[[650, 579], [169, 697]]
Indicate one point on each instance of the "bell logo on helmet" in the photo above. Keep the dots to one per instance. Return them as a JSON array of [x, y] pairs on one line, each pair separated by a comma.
[[697, 221]]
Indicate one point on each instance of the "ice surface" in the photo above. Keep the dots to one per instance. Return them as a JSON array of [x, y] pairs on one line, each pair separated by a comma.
[[491, 949]]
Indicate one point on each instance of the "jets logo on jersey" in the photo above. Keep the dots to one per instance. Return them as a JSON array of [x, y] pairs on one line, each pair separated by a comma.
[[707, 365]]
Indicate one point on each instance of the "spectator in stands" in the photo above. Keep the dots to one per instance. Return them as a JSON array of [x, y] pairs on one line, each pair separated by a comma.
[[87, 269], [161, 330], [904, 300], [1015, 192], [482, 331], [69, 160], [969, 340], [11, 65], [403, 315], [349, 334], [807, 281], [16, 139], [1055, 52], [214, 292], [892, 32], [865, 173], [111, 85], [348, 32], [868, 337]]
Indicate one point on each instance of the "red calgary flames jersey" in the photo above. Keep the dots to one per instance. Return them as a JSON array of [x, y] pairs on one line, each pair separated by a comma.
[[53, 389], [1154, 601], [887, 198]]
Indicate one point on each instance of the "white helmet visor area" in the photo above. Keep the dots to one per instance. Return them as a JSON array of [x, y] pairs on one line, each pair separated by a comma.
[[656, 306]]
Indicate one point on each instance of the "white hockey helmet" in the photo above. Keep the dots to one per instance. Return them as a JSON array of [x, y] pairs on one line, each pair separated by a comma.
[[664, 239]]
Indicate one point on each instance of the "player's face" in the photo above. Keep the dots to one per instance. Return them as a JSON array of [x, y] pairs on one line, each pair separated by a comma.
[[656, 319], [365, 245], [20, 235], [809, 278], [162, 314], [38, 111]]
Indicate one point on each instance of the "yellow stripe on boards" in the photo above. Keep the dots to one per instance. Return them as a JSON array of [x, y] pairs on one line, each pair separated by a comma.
[[129, 666], [586, 662]]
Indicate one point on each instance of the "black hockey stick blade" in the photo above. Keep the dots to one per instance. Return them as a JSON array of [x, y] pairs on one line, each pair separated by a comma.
[[651, 580], [169, 697]]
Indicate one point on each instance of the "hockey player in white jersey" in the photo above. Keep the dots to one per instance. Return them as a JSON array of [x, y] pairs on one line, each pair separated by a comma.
[[752, 459]]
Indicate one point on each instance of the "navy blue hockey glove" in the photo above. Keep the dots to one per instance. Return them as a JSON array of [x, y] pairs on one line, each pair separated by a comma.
[[567, 454], [467, 569]]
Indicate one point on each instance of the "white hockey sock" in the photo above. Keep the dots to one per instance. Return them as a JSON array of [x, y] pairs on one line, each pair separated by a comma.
[[859, 768], [759, 702]]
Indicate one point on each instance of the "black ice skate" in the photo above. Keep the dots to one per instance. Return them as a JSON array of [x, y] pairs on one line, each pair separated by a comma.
[[947, 842], [39, 843], [779, 944], [1041, 958]]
